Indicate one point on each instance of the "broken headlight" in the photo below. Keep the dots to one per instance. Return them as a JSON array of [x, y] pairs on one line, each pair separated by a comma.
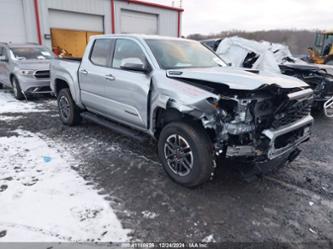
[[242, 121]]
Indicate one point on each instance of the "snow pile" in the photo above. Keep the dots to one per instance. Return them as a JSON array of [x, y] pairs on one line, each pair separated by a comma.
[[8, 104], [44, 200]]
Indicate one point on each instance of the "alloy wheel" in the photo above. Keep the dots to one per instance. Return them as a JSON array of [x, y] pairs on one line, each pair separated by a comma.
[[178, 155], [64, 107]]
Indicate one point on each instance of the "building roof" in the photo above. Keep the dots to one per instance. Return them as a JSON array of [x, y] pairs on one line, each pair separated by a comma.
[[154, 5]]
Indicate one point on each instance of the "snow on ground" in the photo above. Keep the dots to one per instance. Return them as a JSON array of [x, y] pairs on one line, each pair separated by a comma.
[[8, 104], [9, 118], [44, 200]]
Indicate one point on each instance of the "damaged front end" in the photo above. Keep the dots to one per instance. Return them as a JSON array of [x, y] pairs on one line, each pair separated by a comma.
[[258, 126]]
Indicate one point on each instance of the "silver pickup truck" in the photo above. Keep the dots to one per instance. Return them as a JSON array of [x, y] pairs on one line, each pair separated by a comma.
[[25, 68], [183, 95]]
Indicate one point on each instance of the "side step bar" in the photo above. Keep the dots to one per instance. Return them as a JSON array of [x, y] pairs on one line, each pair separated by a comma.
[[141, 137]]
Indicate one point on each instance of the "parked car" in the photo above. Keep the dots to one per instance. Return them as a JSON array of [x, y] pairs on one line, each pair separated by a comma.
[[277, 58], [25, 68], [184, 96]]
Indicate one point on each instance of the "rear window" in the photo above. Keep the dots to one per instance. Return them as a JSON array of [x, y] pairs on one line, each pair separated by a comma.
[[101, 52]]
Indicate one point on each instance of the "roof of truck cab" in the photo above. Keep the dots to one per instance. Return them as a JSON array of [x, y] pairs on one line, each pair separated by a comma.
[[138, 36]]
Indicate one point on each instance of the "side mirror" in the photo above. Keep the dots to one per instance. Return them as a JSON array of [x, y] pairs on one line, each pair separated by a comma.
[[134, 64], [3, 58]]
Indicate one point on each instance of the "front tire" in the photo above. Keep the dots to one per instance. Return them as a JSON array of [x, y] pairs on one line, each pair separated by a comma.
[[186, 153], [69, 112], [1, 86], [17, 89]]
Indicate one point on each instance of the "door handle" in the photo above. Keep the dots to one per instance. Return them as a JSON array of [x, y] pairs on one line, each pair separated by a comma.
[[110, 77], [83, 71]]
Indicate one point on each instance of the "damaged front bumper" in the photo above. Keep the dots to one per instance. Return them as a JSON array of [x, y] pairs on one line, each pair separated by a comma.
[[278, 154], [299, 131], [281, 141]]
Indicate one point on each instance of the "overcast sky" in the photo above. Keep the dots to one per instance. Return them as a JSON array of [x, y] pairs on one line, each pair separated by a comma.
[[212, 16]]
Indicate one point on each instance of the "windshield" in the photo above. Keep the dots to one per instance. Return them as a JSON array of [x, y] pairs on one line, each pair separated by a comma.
[[31, 53], [173, 54]]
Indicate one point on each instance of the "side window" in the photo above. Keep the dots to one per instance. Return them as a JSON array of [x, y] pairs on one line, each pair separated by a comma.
[[127, 51], [101, 52]]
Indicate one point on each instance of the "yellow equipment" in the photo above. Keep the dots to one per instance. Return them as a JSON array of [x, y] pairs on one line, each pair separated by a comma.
[[322, 53]]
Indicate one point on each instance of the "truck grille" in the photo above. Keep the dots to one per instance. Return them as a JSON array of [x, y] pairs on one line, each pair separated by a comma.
[[42, 74], [294, 111]]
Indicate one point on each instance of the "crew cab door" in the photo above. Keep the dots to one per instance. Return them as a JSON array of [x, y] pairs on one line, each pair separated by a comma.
[[92, 75], [126, 88]]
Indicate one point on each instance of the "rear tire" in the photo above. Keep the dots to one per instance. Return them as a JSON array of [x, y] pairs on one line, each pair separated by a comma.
[[1, 86], [69, 112], [186, 153], [17, 89]]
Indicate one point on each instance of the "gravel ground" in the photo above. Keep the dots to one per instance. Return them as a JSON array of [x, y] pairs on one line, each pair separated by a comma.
[[292, 205]]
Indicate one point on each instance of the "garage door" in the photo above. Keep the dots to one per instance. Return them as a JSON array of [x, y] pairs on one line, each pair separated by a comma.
[[75, 21], [12, 21], [70, 31], [138, 22]]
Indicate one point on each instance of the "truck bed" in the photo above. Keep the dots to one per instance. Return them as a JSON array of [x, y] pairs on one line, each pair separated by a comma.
[[66, 69]]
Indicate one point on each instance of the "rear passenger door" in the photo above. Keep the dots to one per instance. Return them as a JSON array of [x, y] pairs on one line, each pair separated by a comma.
[[92, 75]]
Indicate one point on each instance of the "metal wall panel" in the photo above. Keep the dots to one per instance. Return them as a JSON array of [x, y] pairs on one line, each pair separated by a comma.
[[167, 19], [101, 8], [130, 19], [75, 21], [23, 28], [12, 21], [84, 6]]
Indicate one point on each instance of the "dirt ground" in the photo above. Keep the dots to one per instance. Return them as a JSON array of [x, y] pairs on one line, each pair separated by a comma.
[[292, 205]]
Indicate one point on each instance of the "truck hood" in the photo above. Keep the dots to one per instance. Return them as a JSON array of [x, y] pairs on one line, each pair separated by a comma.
[[236, 78], [33, 64]]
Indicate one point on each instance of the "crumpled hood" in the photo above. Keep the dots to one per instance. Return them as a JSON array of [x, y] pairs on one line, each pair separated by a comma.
[[33, 64], [236, 78]]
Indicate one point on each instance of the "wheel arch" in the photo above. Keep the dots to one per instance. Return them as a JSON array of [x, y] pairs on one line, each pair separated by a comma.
[[11, 77], [164, 116], [60, 84]]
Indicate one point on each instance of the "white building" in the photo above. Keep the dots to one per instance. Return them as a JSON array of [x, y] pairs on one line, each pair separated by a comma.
[[67, 24]]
